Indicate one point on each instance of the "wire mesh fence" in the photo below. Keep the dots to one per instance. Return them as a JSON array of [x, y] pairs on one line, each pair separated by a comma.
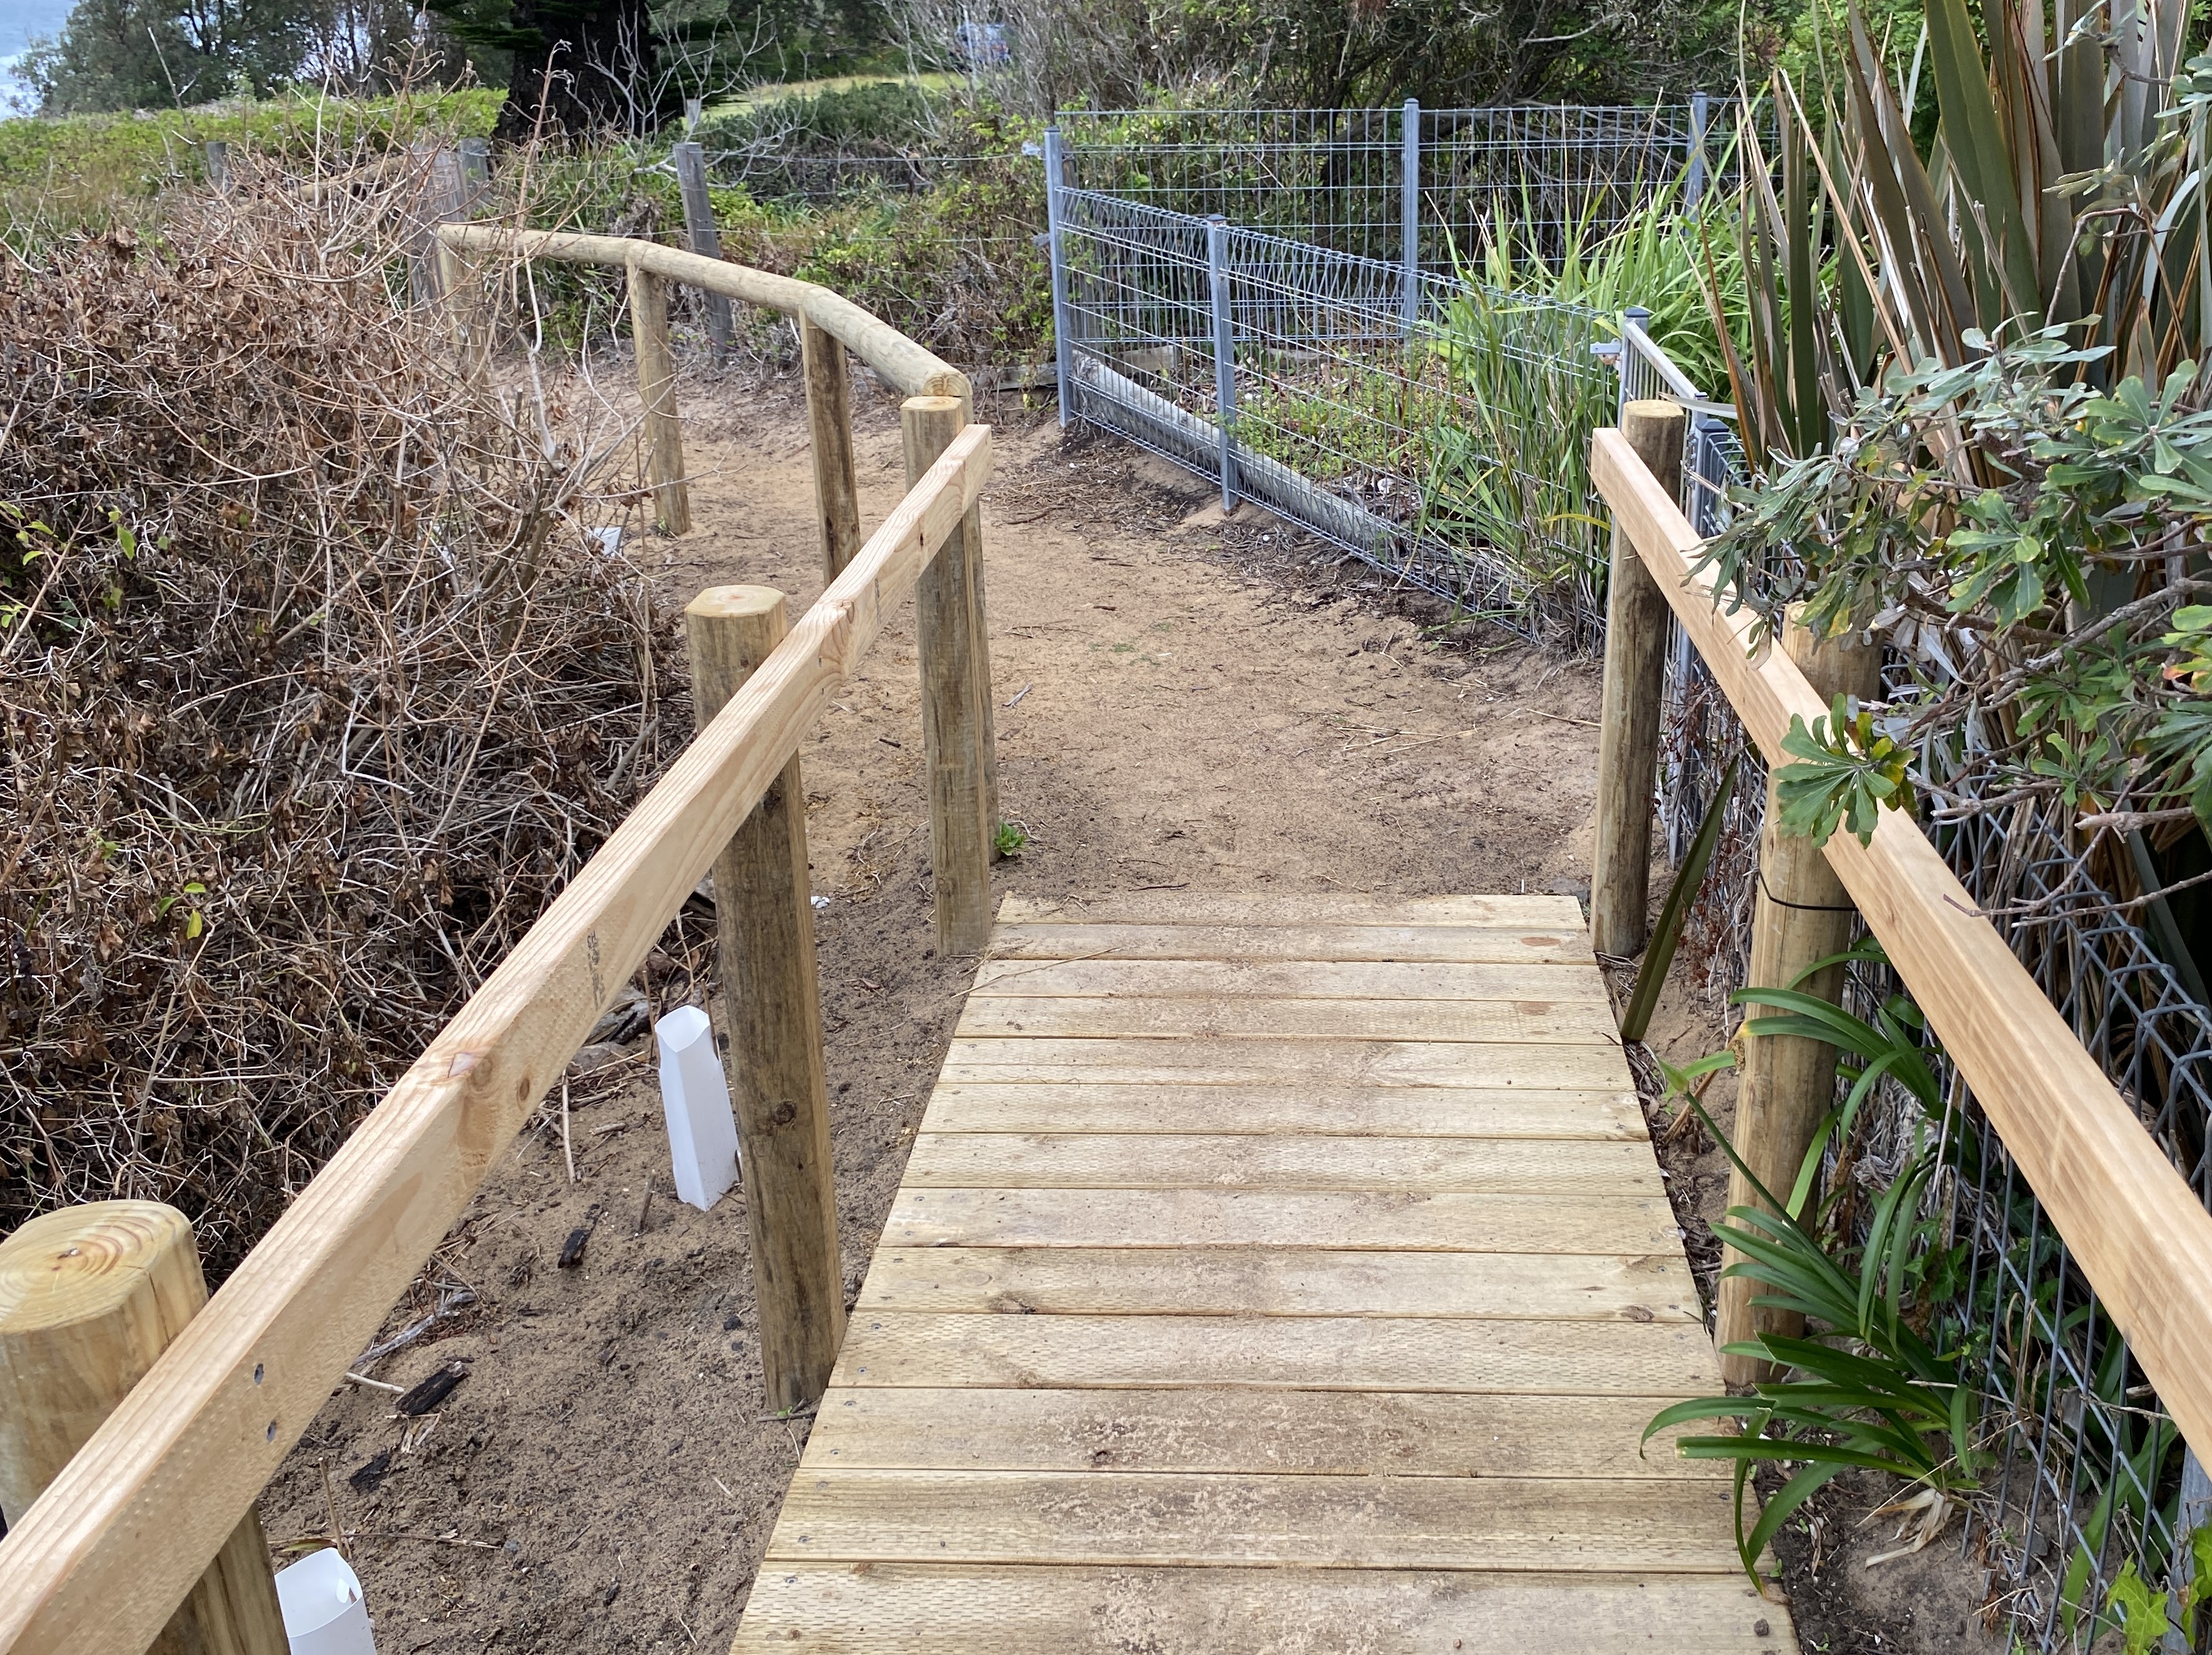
[[1438, 430], [1407, 186], [2089, 1473]]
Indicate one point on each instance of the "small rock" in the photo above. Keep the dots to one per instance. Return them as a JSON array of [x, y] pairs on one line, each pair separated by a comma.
[[623, 1021], [595, 1057]]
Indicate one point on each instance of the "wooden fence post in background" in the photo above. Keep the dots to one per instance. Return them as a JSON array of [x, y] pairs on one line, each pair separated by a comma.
[[656, 390], [466, 313], [830, 429], [1801, 914], [955, 693], [475, 171], [1635, 675], [90, 1296], [218, 162], [772, 1012], [706, 240]]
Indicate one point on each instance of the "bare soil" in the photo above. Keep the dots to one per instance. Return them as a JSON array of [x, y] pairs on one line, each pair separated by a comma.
[[1182, 703]]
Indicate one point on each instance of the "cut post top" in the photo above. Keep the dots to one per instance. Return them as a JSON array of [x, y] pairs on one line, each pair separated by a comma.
[[1662, 408], [932, 404], [80, 1263], [731, 631], [734, 602]]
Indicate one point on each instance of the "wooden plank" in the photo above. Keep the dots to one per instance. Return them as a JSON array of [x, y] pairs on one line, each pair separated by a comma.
[[1466, 944], [1165, 1161], [1345, 1433], [1138, 1060], [1292, 1218], [2138, 1232], [1671, 1527], [1290, 980], [909, 1608], [1400, 1111], [1488, 1023], [186, 1454], [1292, 908], [1553, 1359], [1281, 1281]]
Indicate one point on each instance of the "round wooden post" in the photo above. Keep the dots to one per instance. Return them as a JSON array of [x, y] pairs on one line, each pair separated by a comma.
[[772, 1012], [656, 389], [1635, 678], [1801, 914], [829, 428], [466, 312], [90, 1296], [956, 696]]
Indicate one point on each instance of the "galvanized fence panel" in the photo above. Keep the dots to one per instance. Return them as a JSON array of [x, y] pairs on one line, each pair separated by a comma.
[[1407, 186]]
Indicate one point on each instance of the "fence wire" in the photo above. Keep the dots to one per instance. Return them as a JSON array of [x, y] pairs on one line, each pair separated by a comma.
[[1405, 185], [2090, 1473]]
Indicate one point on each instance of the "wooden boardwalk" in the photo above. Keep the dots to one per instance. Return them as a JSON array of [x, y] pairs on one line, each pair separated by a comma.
[[1272, 1274]]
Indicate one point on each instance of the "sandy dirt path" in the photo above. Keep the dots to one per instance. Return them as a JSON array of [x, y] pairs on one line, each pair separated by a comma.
[[1180, 705]]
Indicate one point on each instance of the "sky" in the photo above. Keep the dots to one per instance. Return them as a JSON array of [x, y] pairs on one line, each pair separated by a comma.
[[19, 21]]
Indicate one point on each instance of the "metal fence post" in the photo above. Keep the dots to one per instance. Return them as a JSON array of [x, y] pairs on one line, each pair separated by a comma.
[[1409, 211], [1693, 185], [706, 241], [1062, 347], [1225, 355], [1631, 380], [2196, 1510]]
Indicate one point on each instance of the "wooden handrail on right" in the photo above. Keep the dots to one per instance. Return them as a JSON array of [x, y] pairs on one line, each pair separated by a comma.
[[2132, 1223], [122, 1534]]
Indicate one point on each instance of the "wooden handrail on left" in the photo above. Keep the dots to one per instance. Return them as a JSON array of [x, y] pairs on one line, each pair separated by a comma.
[[2134, 1226]]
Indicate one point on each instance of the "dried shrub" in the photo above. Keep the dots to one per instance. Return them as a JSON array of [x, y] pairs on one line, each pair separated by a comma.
[[315, 688]]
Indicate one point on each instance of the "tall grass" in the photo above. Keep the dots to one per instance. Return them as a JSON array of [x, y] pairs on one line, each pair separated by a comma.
[[1507, 459]]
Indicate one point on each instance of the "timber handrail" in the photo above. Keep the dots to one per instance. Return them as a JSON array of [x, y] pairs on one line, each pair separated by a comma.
[[911, 369], [126, 1529], [2141, 1236]]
